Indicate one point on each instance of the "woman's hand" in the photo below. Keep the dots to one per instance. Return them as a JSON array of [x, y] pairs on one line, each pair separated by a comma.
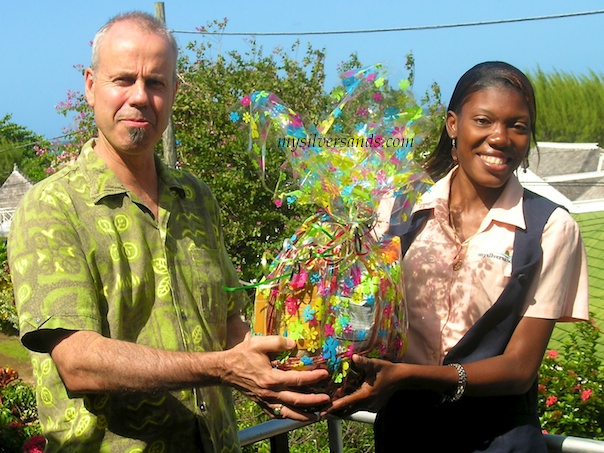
[[382, 379]]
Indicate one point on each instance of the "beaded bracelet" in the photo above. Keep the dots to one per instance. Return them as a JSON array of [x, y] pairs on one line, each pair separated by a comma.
[[461, 385]]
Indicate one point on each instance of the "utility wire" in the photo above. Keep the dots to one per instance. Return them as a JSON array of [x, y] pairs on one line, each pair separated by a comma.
[[388, 30], [375, 30], [12, 147]]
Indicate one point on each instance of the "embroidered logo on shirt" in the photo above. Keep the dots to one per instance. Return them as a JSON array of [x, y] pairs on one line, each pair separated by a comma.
[[505, 257]]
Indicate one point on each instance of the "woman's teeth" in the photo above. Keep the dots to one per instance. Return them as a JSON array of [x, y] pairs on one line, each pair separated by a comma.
[[493, 160]]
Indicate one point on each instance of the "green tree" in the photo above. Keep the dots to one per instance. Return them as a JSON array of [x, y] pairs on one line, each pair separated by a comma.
[[214, 148], [19, 145], [570, 107]]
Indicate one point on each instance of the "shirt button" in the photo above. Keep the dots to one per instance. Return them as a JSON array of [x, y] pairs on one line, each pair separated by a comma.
[[202, 406], [183, 315]]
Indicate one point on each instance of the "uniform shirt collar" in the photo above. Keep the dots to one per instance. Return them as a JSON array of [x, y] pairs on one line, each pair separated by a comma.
[[507, 208]]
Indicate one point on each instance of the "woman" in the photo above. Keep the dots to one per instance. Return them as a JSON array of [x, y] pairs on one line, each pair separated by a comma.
[[483, 296]]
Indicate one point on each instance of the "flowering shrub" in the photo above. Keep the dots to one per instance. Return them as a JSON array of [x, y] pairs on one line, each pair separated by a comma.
[[35, 445], [19, 426], [570, 386], [8, 312]]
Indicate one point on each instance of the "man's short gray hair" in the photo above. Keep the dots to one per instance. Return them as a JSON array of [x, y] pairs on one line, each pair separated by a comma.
[[145, 22]]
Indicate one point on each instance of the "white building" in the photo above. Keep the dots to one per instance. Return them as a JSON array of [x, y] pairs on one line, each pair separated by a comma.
[[570, 174], [11, 193]]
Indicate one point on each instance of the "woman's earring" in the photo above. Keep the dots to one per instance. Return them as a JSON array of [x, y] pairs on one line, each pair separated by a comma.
[[454, 149], [525, 164]]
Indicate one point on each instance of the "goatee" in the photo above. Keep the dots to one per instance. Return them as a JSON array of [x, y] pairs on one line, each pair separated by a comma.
[[137, 134]]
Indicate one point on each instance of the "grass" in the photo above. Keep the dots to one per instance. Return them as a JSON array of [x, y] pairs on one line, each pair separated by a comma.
[[12, 347], [590, 224]]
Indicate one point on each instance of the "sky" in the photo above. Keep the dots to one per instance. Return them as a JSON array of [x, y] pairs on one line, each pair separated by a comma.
[[43, 41]]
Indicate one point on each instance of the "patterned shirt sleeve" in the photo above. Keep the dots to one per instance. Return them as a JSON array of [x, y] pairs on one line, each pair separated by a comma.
[[49, 269]]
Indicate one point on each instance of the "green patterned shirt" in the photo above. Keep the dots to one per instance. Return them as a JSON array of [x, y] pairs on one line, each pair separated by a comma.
[[86, 254]]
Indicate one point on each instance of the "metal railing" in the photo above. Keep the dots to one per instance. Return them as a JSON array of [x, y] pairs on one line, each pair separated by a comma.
[[6, 217], [6, 214], [277, 432]]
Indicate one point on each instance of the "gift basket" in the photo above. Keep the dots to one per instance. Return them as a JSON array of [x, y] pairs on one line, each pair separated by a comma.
[[336, 286]]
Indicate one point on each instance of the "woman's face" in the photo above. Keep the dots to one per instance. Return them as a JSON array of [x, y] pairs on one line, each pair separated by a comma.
[[493, 135]]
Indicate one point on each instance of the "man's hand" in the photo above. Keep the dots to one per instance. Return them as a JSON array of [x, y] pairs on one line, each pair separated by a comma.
[[247, 367]]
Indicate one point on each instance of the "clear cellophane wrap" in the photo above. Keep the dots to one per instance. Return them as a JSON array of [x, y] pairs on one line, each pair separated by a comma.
[[336, 287]]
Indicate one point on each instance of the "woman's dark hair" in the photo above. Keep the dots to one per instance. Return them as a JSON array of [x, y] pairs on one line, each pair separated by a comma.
[[484, 75]]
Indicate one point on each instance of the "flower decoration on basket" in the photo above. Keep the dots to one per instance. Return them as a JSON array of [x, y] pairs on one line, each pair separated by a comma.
[[336, 286]]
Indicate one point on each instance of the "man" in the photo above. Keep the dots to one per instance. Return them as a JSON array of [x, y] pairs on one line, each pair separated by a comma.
[[119, 269]]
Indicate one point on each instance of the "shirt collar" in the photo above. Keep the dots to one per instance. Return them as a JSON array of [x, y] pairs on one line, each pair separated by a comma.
[[507, 208], [103, 182]]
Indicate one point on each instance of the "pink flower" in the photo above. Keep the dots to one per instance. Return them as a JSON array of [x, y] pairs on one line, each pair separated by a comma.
[[299, 280], [551, 400], [355, 272], [586, 394], [376, 142], [377, 96], [278, 203], [398, 343], [292, 304], [552, 354], [329, 330], [296, 121], [245, 101], [35, 445], [399, 132]]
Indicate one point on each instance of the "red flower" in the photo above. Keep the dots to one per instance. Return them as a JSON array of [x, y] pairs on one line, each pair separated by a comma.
[[586, 394], [35, 445], [552, 354], [551, 400]]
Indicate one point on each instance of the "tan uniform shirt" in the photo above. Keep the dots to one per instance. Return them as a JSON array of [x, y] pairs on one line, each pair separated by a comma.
[[444, 303]]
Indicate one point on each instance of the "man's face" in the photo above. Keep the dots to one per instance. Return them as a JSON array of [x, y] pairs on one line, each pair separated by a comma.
[[132, 89]]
